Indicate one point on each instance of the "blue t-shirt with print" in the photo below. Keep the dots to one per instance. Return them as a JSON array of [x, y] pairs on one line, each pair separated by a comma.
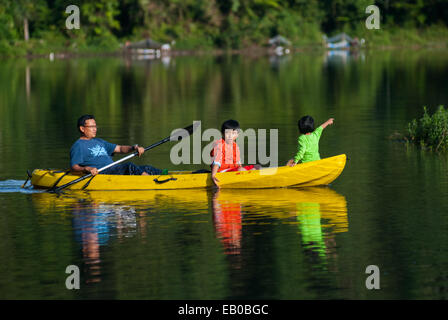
[[92, 153]]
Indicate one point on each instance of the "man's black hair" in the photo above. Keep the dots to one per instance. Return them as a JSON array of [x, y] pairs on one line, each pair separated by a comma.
[[82, 120], [229, 124], [306, 124]]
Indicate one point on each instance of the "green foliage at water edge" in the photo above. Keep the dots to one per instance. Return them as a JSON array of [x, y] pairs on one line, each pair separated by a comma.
[[430, 131]]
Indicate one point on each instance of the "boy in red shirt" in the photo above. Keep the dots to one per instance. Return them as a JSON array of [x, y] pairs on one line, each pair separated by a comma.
[[226, 153]]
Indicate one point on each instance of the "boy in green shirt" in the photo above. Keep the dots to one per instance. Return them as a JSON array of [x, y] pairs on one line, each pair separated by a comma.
[[308, 141]]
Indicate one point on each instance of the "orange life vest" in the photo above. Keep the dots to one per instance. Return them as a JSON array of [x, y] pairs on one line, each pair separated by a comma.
[[228, 156]]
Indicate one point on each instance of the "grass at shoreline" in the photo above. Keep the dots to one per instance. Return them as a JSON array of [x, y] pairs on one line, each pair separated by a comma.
[[435, 36]]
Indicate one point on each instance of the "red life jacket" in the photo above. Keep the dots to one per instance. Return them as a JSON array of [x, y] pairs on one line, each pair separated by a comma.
[[229, 160]]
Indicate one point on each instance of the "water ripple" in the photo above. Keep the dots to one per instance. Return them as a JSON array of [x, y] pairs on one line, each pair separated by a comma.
[[16, 186]]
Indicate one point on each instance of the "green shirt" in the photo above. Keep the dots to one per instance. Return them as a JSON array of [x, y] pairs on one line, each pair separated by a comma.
[[308, 146]]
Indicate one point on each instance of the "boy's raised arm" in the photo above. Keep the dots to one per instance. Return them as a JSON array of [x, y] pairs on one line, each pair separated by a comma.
[[327, 123]]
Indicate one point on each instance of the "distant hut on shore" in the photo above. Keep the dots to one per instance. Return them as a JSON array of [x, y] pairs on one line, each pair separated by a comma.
[[342, 41], [148, 47], [279, 45]]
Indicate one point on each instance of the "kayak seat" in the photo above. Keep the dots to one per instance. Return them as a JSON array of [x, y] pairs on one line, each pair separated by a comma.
[[201, 171]]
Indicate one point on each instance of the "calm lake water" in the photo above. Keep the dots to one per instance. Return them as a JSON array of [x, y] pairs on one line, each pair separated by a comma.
[[389, 207]]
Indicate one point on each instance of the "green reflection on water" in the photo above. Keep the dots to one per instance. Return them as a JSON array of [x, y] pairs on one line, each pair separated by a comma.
[[174, 248], [176, 245]]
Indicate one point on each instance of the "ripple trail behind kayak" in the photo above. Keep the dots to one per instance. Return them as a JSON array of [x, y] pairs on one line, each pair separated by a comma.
[[16, 186]]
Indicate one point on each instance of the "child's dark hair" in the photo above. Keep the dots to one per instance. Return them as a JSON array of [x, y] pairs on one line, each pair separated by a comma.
[[82, 120], [229, 124], [306, 124]]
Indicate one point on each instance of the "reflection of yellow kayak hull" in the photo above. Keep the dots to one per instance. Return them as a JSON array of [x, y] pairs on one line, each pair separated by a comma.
[[284, 203], [274, 203], [315, 173]]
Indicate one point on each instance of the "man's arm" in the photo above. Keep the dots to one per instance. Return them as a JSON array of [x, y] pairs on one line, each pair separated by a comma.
[[129, 149], [118, 149], [78, 168], [76, 157]]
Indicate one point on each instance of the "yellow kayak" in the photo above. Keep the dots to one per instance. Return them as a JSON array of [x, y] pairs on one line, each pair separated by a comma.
[[309, 174]]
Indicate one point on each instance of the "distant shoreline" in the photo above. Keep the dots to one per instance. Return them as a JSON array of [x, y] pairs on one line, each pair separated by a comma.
[[374, 43], [252, 52]]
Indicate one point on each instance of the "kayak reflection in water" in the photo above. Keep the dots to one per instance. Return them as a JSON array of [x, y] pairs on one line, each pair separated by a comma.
[[318, 213], [318, 237], [227, 221], [94, 224], [89, 153]]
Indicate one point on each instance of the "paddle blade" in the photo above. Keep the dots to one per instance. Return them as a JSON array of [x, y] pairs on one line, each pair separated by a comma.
[[179, 134]]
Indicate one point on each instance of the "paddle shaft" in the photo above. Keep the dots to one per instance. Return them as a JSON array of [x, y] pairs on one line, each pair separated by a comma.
[[109, 165]]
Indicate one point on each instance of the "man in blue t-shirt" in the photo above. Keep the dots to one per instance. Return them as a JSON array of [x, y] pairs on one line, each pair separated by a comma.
[[89, 153]]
